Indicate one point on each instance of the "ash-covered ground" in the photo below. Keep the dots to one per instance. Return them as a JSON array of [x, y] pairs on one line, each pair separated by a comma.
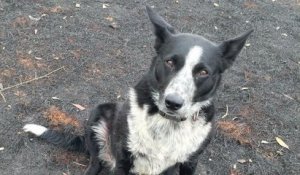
[[57, 53]]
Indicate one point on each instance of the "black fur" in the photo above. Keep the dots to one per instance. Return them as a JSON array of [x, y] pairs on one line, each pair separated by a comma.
[[169, 45]]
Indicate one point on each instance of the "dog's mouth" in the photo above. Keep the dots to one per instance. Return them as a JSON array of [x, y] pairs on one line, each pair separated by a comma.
[[174, 117], [171, 117]]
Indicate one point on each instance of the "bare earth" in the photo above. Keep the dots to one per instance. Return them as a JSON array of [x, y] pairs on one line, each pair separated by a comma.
[[94, 52]]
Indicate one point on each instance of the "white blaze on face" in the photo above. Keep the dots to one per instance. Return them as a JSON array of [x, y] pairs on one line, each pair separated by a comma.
[[183, 83]]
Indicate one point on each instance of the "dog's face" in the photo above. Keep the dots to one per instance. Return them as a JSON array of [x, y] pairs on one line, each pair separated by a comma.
[[187, 69]]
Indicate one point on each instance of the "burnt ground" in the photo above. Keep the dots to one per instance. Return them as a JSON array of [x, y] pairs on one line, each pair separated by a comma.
[[101, 52]]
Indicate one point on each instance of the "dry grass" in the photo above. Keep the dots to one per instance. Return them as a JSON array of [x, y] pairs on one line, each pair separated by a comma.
[[240, 132], [57, 117]]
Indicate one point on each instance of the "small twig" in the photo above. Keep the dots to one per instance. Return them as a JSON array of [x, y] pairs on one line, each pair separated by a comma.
[[2, 96], [226, 114], [287, 96], [79, 164], [28, 81]]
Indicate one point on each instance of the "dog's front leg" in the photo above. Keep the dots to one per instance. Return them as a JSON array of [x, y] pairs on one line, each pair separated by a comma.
[[173, 170], [123, 167], [122, 171], [189, 168]]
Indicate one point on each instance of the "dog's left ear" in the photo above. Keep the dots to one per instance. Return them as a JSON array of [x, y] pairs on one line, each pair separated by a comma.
[[162, 29], [231, 48]]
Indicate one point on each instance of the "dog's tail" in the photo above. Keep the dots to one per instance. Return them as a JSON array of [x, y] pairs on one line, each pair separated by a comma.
[[66, 140]]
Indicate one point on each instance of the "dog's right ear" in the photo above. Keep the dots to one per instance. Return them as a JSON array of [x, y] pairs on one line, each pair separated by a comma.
[[162, 29]]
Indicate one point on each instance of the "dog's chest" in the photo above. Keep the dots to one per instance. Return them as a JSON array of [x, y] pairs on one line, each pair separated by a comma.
[[157, 143]]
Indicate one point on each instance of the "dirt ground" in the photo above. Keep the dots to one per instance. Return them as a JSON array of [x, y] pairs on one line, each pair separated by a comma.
[[60, 53]]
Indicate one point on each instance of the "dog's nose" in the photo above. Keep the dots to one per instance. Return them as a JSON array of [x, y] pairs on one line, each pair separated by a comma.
[[174, 101]]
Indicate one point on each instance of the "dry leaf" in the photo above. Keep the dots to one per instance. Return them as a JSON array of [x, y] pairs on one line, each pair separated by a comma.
[[281, 142], [55, 98], [264, 142], [242, 160], [33, 18], [114, 25], [244, 88], [216, 5], [81, 108], [105, 6]]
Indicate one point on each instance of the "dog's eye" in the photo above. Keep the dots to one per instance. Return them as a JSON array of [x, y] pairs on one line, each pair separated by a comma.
[[169, 63], [202, 73]]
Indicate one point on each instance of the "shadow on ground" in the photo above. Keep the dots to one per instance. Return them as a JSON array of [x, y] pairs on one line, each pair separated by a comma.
[[99, 49]]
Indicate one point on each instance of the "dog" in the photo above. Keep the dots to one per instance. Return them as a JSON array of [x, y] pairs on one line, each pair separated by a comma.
[[168, 119]]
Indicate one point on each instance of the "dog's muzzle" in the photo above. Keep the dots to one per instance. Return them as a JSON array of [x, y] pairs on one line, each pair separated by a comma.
[[172, 117], [195, 117]]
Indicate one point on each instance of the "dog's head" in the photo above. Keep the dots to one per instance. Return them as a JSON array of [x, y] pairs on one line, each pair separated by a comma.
[[187, 69]]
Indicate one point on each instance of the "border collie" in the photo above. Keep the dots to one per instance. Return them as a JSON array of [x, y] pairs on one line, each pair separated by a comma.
[[167, 120]]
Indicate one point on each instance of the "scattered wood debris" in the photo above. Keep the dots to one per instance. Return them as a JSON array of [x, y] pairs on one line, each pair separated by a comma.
[[79, 164], [81, 108], [226, 113]]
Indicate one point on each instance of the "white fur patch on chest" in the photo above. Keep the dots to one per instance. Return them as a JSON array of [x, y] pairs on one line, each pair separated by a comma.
[[158, 143]]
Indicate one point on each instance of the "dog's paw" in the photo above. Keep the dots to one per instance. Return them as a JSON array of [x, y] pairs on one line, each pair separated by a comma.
[[35, 129]]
